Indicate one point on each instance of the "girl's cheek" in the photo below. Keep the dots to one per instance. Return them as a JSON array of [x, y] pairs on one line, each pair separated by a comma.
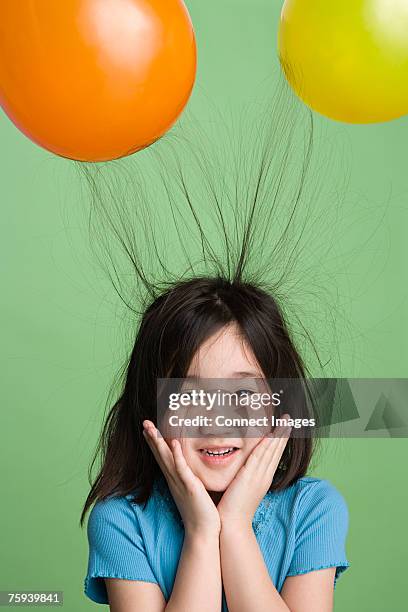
[[249, 447], [245, 454]]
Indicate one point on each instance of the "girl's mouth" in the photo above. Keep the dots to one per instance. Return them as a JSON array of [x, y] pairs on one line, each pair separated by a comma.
[[217, 454]]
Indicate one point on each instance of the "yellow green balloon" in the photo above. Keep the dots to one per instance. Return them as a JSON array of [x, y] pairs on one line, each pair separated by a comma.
[[347, 59]]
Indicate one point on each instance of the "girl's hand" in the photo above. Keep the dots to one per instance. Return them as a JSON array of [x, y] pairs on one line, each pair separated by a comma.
[[240, 501], [198, 511]]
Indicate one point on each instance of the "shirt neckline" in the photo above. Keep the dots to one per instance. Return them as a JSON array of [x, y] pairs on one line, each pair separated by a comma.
[[259, 520]]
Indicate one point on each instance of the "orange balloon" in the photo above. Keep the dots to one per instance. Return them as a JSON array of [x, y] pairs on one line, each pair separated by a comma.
[[95, 80]]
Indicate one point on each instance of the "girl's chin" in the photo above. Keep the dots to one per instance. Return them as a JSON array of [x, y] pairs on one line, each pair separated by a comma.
[[216, 480], [217, 485]]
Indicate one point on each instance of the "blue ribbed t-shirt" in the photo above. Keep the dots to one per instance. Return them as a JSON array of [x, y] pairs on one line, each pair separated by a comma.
[[300, 529]]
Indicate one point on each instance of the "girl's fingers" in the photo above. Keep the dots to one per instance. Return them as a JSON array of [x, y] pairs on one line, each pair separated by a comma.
[[278, 440], [255, 457], [155, 452], [160, 449], [158, 441], [171, 460], [264, 446], [273, 455], [181, 465], [281, 429], [270, 448], [176, 469], [281, 432]]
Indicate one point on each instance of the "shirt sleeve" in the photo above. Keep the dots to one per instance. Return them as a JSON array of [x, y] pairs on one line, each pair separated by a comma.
[[116, 548], [321, 530]]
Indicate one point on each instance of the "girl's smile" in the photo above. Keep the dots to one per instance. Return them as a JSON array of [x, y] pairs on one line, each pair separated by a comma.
[[218, 456]]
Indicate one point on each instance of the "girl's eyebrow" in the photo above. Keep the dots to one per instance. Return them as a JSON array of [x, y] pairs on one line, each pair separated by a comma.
[[251, 374]]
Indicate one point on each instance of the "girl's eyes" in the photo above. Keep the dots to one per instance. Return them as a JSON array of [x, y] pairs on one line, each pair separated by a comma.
[[240, 392], [246, 392]]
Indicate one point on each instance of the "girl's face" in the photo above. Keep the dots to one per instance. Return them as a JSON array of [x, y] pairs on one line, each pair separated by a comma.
[[224, 355]]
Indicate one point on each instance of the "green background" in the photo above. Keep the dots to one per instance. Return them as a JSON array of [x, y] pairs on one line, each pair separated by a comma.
[[63, 337]]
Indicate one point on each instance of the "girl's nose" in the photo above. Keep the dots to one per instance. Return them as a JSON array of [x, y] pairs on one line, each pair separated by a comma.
[[219, 424]]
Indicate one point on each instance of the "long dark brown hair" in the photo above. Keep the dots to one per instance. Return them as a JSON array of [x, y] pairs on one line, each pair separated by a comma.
[[249, 230]]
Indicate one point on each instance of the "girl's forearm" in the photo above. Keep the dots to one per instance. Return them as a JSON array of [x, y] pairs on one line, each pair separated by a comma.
[[198, 586], [247, 584]]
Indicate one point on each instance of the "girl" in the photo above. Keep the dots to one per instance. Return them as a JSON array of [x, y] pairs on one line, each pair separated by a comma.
[[216, 522], [176, 528]]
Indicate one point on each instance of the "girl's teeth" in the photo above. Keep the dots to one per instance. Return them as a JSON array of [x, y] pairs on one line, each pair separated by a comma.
[[218, 453]]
